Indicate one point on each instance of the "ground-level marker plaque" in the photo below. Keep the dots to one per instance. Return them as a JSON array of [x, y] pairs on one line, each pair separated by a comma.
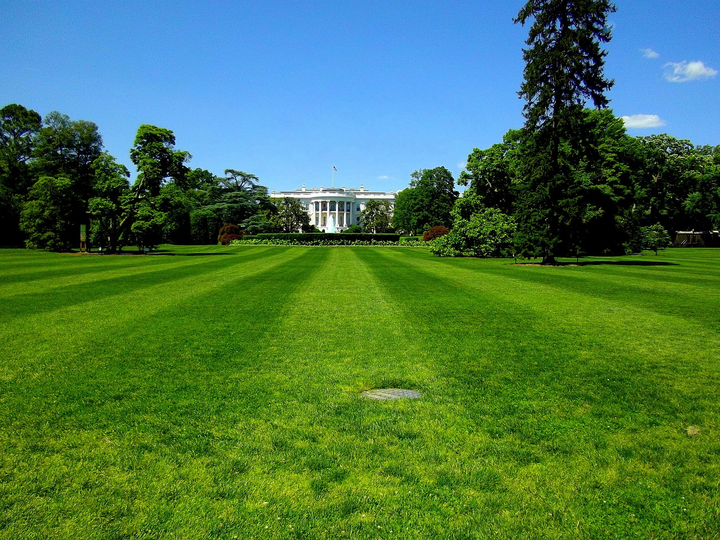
[[385, 394]]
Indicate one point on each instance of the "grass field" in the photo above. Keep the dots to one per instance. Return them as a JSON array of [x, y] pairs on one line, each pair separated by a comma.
[[215, 392]]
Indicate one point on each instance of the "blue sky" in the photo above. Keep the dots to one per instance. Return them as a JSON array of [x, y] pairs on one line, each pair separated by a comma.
[[287, 89]]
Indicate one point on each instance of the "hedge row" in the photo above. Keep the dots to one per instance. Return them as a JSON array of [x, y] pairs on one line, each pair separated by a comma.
[[338, 240], [306, 238]]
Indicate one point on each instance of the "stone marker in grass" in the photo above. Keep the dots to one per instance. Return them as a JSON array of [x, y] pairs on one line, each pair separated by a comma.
[[386, 394]]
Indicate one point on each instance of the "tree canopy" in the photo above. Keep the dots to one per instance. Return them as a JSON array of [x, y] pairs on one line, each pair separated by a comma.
[[563, 71], [427, 202]]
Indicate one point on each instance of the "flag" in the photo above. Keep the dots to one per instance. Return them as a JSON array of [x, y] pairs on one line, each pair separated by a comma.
[[334, 168]]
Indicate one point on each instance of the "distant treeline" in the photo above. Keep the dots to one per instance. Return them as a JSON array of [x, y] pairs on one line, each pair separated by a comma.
[[56, 176]]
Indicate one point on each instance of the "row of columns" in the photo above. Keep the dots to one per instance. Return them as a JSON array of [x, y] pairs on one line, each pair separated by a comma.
[[326, 213]]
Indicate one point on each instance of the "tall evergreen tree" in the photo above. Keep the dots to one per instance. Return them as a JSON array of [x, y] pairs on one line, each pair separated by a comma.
[[563, 71]]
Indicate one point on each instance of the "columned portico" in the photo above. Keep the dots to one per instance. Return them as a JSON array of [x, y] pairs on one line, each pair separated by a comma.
[[342, 205]]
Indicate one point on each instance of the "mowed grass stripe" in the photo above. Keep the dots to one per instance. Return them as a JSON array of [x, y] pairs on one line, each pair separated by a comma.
[[140, 415], [577, 300], [230, 406], [72, 325], [543, 381], [331, 463], [116, 276]]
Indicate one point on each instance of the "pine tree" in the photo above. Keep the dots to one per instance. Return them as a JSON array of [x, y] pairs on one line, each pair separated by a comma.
[[563, 72]]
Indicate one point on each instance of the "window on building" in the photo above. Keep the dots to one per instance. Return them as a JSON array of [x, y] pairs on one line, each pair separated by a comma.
[[317, 206], [357, 209], [324, 221], [324, 206], [341, 206], [341, 220], [332, 206]]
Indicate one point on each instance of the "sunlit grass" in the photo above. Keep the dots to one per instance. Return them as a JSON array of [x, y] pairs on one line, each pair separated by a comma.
[[214, 392]]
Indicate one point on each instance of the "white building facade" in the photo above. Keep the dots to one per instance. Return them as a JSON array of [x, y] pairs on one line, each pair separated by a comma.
[[335, 209]]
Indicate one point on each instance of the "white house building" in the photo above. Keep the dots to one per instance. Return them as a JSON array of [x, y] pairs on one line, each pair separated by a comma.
[[334, 209]]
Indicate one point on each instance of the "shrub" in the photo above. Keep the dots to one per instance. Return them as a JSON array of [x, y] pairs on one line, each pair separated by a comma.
[[229, 232], [436, 232], [655, 237], [487, 233], [225, 239]]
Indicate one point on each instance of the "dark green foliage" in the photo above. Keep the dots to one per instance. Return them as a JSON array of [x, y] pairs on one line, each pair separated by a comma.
[[487, 232], [563, 70], [258, 223], [427, 202], [434, 232], [492, 173], [289, 216], [48, 216], [148, 226], [107, 207], [377, 216], [655, 237], [352, 229], [313, 237], [204, 226], [19, 128], [68, 148]]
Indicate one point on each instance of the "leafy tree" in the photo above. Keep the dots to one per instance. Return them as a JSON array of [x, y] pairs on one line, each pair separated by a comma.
[[177, 204], [204, 226], [377, 216], [107, 207], [655, 237], [606, 176], [48, 216], [147, 228], [18, 132], [427, 202], [492, 173], [69, 148], [678, 187], [290, 216], [157, 161], [477, 231], [564, 70], [258, 223], [238, 180]]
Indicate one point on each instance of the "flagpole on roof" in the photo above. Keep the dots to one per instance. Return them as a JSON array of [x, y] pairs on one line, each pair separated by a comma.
[[333, 176]]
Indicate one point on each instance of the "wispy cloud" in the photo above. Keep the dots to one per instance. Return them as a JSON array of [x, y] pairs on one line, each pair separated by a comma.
[[649, 53], [643, 121], [383, 177], [462, 165], [688, 71]]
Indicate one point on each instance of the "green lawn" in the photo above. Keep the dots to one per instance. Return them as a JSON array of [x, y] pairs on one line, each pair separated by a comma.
[[215, 392]]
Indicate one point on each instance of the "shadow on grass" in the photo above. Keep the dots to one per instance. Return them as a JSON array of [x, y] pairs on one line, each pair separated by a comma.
[[626, 263], [598, 263], [170, 254]]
